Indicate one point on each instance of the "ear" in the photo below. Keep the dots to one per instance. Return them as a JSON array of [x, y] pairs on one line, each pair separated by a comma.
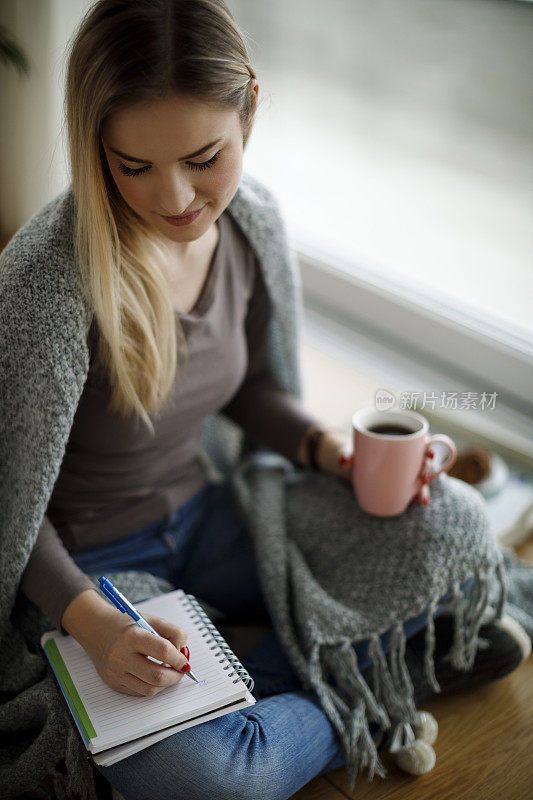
[[254, 87]]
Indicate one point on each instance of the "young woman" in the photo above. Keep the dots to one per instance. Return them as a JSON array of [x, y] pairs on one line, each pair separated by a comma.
[[160, 102]]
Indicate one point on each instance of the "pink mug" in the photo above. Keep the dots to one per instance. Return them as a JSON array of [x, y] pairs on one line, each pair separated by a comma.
[[388, 465]]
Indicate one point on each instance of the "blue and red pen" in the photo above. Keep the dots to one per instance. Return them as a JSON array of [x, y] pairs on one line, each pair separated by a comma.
[[118, 599]]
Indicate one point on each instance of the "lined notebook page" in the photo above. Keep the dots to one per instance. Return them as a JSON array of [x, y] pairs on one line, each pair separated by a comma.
[[118, 717], [114, 754]]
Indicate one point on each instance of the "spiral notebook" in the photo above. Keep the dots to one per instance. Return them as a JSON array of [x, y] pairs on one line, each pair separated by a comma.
[[115, 725]]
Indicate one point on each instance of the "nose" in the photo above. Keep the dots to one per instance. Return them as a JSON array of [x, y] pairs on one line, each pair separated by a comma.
[[176, 195]]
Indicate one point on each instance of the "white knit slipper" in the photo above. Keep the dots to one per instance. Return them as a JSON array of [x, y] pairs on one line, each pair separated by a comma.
[[514, 629], [411, 754], [426, 727]]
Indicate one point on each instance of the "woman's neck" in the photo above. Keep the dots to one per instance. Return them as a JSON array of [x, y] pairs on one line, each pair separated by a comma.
[[190, 253]]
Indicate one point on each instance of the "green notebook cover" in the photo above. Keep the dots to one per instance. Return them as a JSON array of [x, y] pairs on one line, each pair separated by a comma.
[[73, 698]]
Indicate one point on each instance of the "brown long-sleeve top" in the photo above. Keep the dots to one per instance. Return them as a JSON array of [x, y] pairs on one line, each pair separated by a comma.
[[115, 478]]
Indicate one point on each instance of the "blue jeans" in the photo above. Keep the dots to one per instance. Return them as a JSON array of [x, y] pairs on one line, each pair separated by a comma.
[[268, 750]]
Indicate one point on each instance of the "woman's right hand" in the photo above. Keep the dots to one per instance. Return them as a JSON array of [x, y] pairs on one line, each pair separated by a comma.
[[120, 656], [119, 648]]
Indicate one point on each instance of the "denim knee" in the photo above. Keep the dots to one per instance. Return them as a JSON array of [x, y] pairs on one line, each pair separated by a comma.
[[258, 773], [241, 763]]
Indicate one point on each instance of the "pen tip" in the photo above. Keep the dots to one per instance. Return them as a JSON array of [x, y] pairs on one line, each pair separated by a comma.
[[193, 676]]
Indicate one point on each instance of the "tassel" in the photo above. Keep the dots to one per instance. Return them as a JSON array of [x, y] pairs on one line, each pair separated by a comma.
[[429, 663], [394, 647], [476, 616], [401, 676], [392, 699], [325, 694], [351, 679], [412, 755], [351, 723], [456, 654], [383, 684], [503, 580], [465, 645], [394, 687]]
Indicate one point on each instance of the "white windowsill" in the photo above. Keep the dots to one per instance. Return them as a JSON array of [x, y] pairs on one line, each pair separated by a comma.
[[354, 365]]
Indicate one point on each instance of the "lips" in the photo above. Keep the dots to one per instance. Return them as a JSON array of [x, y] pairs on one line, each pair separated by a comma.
[[184, 216], [184, 220]]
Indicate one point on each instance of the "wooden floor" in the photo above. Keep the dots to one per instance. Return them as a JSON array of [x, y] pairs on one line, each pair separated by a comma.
[[484, 748]]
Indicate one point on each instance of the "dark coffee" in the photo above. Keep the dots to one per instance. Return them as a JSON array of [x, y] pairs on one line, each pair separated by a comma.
[[388, 428]]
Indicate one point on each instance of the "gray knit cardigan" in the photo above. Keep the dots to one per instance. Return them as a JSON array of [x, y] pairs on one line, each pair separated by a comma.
[[316, 607]]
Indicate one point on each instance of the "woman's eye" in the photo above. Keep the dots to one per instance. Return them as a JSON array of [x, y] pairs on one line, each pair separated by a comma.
[[203, 165], [127, 171]]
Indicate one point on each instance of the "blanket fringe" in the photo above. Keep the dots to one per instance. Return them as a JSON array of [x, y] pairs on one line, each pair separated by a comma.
[[473, 612], [429, 661], [350, 720], [351, 704], [391, 698]]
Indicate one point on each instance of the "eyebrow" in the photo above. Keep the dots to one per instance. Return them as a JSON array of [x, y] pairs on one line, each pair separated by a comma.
[[147, 160]]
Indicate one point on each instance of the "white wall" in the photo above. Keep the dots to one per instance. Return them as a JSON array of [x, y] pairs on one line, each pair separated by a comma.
[[33, 163]]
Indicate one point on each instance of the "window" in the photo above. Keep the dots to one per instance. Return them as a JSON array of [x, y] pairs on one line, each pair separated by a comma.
[[398, 138]]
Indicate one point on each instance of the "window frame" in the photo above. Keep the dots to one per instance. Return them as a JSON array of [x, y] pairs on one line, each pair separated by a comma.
[[427, 328]]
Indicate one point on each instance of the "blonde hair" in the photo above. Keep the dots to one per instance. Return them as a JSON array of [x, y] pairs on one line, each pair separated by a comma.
[[125, 52]]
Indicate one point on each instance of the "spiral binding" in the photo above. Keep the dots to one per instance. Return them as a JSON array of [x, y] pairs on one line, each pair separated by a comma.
[[198, 615]]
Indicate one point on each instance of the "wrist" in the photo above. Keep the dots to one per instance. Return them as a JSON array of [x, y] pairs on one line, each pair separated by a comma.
[[330, 449], [307, 444], [85, 614]]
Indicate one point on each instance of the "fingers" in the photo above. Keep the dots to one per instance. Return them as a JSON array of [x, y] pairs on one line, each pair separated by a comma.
[[132, 681], [151, 677], [135, 686], [152, 662], [159, 648], [345, 459], [175, 634]]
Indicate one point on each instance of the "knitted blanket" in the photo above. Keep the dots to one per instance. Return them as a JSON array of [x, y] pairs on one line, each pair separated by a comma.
[[333, 575], [42, 750], [43, 367], [44, 362], [41, 745]]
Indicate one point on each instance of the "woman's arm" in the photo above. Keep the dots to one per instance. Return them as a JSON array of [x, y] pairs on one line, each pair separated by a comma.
[[261, 406], [51, 579], [116, 645], [265, 410]]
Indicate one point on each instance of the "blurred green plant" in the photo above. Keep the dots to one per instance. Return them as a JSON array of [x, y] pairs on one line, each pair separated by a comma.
[[11, 53]]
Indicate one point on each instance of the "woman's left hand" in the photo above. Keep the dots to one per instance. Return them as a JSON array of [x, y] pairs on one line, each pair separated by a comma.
[[332, 456]]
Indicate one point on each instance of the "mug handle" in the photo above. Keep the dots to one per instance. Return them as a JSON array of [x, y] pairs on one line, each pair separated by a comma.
[[441, 437]]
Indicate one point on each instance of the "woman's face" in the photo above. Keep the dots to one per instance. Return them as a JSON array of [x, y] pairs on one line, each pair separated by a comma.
[[159, 170]]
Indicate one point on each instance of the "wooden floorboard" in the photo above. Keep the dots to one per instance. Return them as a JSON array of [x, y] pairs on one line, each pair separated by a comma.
[[319, 789]]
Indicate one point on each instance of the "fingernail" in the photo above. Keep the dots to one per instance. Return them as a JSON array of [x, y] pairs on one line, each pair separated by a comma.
[[426, 478], [344, 460], [186, 668], [430, 453], [185, 652]]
